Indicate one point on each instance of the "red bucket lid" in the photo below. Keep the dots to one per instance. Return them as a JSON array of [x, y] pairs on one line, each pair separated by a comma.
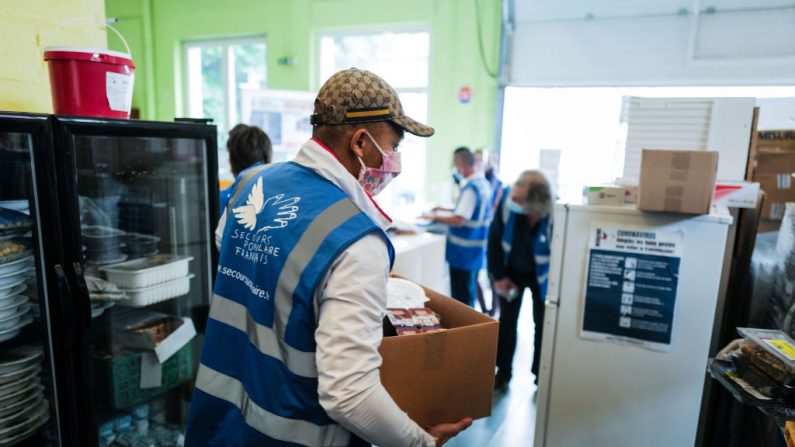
[[88, 54]]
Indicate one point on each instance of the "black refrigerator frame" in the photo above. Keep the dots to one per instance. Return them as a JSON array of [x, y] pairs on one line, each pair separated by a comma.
[[57, 318], [64, 130]]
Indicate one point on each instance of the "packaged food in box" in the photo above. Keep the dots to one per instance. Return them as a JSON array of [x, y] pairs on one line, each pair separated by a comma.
[[164, 334]]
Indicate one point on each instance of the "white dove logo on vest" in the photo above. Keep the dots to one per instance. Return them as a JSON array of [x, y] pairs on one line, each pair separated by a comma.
[[284, 210]]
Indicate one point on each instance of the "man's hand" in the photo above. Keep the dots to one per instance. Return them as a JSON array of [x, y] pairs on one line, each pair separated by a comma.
[[443, 432], [504, 286]]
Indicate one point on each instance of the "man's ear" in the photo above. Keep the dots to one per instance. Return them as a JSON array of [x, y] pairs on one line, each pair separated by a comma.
[[358, 141]]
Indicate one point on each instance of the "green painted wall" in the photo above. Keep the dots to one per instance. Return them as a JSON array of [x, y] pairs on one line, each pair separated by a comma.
[[156, 32]]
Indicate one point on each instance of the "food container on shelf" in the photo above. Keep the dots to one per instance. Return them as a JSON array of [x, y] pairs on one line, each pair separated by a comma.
[[145, 272], [776, 343], [139, 245], [760, 380], [13, 249], [97, 237], [159, 292], [102, 256]]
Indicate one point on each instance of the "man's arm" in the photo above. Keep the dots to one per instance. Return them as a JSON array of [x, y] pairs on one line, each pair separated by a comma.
[[463, 211], [351, 307]]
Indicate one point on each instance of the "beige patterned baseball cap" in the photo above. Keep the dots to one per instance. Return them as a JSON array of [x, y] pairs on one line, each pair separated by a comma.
[[359, 96]]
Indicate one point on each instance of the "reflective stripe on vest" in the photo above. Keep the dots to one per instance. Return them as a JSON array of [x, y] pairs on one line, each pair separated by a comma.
[[303, 252], [274, 426], [258, 375], [264, 338]]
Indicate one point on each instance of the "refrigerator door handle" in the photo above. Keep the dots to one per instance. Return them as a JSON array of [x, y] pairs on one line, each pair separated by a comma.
[[66, 343], [83, 293], [65, 301]]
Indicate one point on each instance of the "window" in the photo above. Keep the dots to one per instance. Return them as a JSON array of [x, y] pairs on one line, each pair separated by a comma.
[[402, 59], [216, 72], [576, 134]]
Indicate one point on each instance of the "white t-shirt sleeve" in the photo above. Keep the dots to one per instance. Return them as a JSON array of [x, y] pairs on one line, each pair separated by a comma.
[[350, 307], [219, 230], [466, 204]]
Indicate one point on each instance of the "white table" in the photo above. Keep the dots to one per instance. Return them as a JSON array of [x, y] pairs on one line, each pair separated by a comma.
[[420, 258]]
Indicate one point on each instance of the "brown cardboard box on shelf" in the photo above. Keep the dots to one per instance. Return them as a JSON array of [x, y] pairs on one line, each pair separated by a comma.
[[774, 171], [677, 181], [443, 376]]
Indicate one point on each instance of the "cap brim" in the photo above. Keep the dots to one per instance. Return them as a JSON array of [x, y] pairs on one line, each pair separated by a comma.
[[413, 126]]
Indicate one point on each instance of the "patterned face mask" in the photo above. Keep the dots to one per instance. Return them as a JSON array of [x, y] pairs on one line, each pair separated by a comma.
[[374, 180]]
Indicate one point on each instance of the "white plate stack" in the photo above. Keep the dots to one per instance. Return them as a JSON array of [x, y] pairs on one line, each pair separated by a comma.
[[23, 407], [15, 310]]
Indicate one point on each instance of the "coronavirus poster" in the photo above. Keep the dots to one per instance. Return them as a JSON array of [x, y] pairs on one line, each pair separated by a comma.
[[630, 290]]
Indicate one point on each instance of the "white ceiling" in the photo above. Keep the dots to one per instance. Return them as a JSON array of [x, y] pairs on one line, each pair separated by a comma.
[[550, 10]]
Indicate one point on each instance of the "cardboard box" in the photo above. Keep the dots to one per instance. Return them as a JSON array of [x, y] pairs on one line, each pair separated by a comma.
[[774, 172], [677, 181], [733, 194], [609, 195], [168, 346], [443, 376]]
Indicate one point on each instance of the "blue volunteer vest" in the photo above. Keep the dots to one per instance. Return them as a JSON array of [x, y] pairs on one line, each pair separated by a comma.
[[257, 382], [541, 244], [466, 245]]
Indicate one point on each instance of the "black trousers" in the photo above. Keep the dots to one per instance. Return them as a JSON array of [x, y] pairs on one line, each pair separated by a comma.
[[509, 317], [464, 285]]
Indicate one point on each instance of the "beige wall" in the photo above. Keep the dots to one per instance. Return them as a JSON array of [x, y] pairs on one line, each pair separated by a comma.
[[24, 27]]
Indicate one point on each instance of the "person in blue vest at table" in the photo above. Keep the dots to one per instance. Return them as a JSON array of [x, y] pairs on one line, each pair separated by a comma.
[[468, 228], [290, 355], [518, 259], [247, 146]]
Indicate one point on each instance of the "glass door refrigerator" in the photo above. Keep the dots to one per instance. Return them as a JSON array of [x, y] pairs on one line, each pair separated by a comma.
[[139, 203], [38, 392]]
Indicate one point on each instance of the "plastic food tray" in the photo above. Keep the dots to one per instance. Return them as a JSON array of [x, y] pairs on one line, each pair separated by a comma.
[[146, 272], [157, 293]]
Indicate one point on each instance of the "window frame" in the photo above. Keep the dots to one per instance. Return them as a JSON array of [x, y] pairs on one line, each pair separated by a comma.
[[227, 70]]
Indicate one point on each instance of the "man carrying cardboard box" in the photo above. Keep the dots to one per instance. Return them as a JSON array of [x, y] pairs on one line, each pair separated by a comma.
[[290, 355]]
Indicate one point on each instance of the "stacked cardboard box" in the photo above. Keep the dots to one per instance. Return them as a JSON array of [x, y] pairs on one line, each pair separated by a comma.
[[775, 166]]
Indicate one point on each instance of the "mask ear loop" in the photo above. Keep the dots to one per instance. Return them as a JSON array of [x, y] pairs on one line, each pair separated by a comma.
[[364, 168]]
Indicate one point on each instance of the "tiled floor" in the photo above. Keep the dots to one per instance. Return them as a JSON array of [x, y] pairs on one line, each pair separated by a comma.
[[512, 423]]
